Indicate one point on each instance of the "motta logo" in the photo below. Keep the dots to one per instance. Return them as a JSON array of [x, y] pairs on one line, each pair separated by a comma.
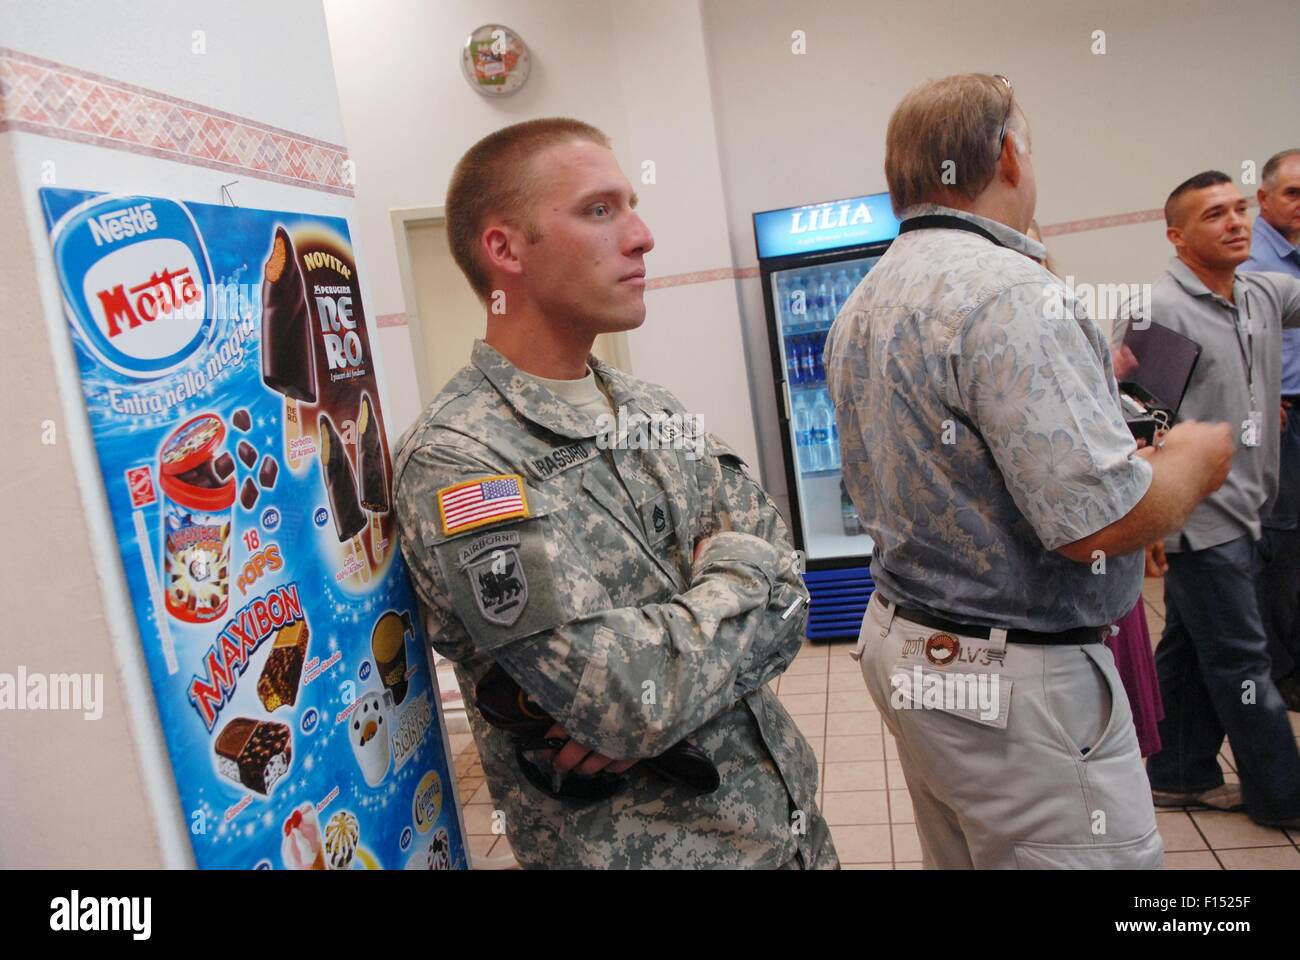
[[135, 277]]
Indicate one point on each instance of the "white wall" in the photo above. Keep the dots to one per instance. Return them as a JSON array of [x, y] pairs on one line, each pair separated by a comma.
[[1184, 85], [639, 72], [78, 793]]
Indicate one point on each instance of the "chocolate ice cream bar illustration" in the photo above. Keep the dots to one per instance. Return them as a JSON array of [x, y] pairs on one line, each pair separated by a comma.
[[374, 475], [278, 685], [254, 753], [288, 364], [341, 485]]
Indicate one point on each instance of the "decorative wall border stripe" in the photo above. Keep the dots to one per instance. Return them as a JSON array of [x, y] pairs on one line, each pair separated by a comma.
[[56, 100], [1114, 220], [695, 276], [1101, 223], [392, 320]]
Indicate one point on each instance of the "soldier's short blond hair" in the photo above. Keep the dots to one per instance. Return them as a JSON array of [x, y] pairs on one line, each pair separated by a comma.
[[494, 178], [943, 138]]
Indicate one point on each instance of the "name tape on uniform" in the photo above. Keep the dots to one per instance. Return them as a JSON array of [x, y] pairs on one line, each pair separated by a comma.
[[561, 458]]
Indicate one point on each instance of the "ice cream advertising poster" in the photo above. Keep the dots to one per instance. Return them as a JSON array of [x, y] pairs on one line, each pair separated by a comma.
[[228, 375]]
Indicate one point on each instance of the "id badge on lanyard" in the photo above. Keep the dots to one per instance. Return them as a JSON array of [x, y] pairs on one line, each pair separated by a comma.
[[1253, 426]]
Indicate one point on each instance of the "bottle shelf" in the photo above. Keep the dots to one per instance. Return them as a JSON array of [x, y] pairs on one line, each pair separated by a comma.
[[804, 329]]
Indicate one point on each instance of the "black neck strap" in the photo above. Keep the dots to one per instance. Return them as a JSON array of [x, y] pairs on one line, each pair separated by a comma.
[[941, 221]]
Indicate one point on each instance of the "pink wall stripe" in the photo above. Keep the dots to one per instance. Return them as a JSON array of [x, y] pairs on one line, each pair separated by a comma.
[[56, 100], [392, 320], [1114, 220], [696, 276], [1101, 223]]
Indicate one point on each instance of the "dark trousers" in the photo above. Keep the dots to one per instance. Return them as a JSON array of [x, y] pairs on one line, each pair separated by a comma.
[[1279, 580], [1215, 678]]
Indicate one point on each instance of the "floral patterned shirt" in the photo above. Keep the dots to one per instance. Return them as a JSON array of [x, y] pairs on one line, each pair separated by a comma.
[[980, 430]]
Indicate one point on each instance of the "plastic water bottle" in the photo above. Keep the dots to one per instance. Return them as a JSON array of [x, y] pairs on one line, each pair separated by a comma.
[[803, 435], [848, 513], [798, 311], [782, 302], [819, 350], [793, 362], [832, 308], [808, 360], [843, 290], [824, 440], [824, 302]]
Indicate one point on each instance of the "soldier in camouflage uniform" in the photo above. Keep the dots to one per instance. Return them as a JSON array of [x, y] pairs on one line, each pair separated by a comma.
[[641, 596]]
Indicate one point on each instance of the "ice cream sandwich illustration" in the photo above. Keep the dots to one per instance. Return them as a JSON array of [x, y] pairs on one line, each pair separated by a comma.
[[288, 363], [254, 753], [278, 685]]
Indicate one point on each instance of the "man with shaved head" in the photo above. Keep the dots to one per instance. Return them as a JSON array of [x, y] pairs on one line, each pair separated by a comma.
[[1213, 659]]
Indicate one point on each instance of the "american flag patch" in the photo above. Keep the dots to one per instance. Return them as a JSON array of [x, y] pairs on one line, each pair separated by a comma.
[[464, 506]]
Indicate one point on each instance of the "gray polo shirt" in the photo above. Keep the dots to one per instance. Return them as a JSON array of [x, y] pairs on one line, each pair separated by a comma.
[[1219, 389], [980, 430]]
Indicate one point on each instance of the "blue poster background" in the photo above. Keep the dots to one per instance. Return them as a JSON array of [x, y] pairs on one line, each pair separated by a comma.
[[322, 809]]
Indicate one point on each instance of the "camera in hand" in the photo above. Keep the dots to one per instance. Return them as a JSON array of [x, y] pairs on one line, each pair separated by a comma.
[[1143, 421]]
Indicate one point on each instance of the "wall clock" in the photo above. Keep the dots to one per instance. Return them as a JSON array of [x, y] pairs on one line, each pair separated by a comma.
[[495, 60]]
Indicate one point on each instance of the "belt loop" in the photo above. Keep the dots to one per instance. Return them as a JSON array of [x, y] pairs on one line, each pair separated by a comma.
[[892, 611], [998, 638]]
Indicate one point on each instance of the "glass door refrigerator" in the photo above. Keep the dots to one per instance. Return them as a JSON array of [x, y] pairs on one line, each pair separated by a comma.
[[811, 258]]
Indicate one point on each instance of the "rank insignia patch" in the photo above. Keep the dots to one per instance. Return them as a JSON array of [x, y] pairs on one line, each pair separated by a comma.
[[475, 503], [657, 519]]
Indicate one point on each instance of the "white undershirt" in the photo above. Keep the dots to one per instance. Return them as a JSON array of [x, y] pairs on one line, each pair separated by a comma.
[[584, 395]]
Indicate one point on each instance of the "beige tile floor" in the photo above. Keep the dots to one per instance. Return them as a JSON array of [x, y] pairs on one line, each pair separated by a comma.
[[863, 794]]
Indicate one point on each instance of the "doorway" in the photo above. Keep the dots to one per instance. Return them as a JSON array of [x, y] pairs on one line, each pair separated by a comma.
[[444, 316]]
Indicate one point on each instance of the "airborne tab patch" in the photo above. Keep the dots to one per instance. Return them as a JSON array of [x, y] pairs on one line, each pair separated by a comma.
[[476, 503]]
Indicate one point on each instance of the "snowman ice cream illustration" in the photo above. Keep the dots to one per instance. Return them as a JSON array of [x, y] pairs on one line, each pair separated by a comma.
[[368, 734]]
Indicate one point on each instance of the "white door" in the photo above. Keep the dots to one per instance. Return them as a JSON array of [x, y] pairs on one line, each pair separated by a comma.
[[448, 317]]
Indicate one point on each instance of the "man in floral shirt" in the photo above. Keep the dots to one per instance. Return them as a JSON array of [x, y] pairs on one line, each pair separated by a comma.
[[984, 447]]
